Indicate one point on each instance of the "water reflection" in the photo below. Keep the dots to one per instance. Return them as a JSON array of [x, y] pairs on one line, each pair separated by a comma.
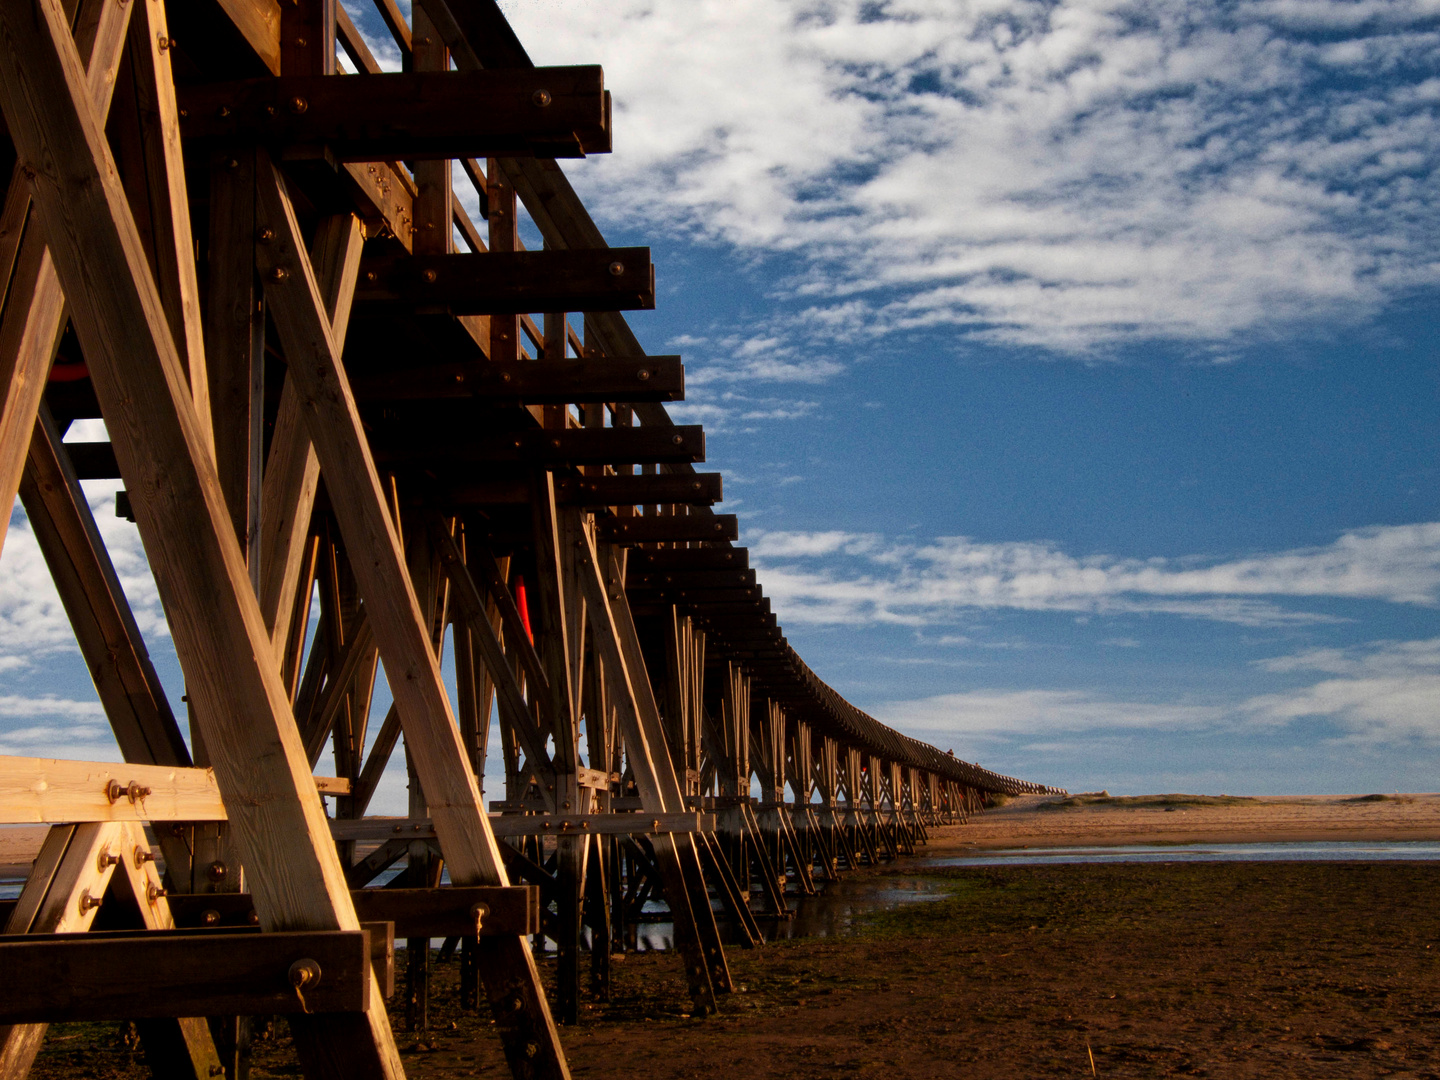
[[830, 913]]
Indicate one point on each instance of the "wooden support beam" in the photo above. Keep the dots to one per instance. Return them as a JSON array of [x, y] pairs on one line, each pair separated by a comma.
[[644, 823], [555, 112], [34, 303], [539, 447], [164, 448], [689, 579], [441, 912], [719, 558], [54, 790], [618, 647], [694, 489], [207, 973], [235, 345], [645, 378], [401, 631], [517, 282], [668, 528]]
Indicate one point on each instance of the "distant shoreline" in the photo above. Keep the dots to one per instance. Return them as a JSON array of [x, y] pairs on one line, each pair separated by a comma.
[[1094, 820], [1091, 821]]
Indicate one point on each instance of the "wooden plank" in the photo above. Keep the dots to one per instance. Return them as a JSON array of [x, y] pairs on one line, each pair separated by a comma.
[[689, 579], [34, 303], [454, 911], [49, 790], [667, 528], [578, 446], [718, 558], [696, 489], [172, 243], [259, 22], [54, 978], [471, 852], [537, 824], [647, 378], [633, 700], [442, 912], [292, 473], [178, 1046], [235, 344], [515, 282], [29, 334], [61, 896], [417, 115]]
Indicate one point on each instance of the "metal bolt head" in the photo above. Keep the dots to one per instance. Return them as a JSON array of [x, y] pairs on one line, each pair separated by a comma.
[[617, 268], [370, 276], [265, 235], [298, 105], [217, 871], [279, 274], [643, 375], [428, 276], [541, 98]]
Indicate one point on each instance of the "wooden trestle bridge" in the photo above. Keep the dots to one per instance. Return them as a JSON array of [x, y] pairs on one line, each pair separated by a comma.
[[321, 377]]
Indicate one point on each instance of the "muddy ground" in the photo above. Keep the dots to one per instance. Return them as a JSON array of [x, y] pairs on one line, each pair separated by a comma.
[[1233, 970]]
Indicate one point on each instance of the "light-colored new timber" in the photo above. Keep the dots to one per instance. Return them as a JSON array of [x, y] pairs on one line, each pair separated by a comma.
[[164, 455]]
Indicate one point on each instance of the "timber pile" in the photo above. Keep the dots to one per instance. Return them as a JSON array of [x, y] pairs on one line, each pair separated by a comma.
[[322, 378]]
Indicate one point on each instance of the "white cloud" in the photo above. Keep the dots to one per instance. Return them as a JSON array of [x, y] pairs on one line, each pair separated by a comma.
[[1066, 174], [33, 622], [1383, 692], [979, 714], [866, 578]]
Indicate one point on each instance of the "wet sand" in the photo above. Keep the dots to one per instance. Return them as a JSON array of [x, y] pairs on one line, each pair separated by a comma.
[[1292, 971]]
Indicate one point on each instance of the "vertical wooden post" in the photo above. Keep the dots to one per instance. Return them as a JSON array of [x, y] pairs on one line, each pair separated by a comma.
[[504, 236]]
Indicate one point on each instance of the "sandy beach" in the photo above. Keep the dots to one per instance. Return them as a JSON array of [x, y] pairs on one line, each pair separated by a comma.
[[1094, 820], [1086, 820]]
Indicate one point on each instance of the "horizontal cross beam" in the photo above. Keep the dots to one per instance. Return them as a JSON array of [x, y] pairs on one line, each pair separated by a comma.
[[513, 282], [669, 528], [732, 558], [578, 446], [546, 112], [692, 489], [58, 978], [451, 911], [640, 378]]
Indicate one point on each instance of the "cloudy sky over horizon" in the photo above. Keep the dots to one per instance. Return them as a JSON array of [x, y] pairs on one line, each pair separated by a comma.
[[1071, 366]]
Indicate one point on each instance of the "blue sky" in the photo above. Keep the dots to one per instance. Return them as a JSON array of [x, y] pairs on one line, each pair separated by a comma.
[[1071, 367]]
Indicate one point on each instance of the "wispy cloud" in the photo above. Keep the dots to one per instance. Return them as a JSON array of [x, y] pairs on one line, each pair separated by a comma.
[[33, 623], [848, 578], [1381, 693], [1066, 174]]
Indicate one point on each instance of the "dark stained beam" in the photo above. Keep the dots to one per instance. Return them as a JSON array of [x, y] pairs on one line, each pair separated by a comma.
[[732, 558], [669, 528], [513, 282], [692, 489], [215, 974], [691, 579], [643, 378], [579, 446], [556, 112]]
